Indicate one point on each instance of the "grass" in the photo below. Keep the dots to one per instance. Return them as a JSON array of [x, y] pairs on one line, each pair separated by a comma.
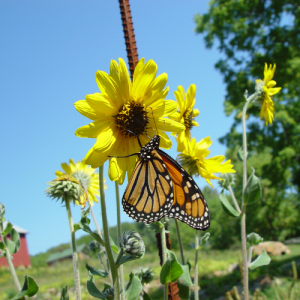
[[52, 279]]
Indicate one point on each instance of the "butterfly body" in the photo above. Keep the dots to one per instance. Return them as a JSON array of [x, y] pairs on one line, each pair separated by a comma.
[[160, 187]]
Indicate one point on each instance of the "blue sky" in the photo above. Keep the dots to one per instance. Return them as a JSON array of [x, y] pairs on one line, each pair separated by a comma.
[[50, 51]]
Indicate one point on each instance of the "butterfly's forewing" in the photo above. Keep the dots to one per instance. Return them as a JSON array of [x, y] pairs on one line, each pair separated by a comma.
[[189, 205], [149, 194]]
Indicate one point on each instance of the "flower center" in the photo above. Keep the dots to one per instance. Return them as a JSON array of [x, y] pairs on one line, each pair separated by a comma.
[[132, 119], [188, 119]]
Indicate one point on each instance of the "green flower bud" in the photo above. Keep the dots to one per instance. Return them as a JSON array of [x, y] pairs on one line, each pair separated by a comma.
[[109, 293], [144, 274], [228, 180], [132, 243], [94, 247], [253, 239], [66, 188]]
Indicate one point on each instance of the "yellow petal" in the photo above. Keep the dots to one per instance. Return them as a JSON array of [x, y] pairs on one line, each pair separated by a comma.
[[176, 116], [125, 82], [196, 112], [180, 98], [190, 96], [106, 140], [95, 159], [102, 105], [141, 84], [273, 91], [84, 108], [108, 87], [93, 129], [167, 125]]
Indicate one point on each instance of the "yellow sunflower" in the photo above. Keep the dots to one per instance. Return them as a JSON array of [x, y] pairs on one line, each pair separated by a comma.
[[185, 115], [123, 111], [266, 88], [193, 159], [85, 175]]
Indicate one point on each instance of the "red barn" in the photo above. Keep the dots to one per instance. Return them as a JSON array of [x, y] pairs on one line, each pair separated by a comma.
[[21, 258]]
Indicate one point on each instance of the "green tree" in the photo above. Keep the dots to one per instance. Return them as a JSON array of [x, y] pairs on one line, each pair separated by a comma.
[[248, 34]]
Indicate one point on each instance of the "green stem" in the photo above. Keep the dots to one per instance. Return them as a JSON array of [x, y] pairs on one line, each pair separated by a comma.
[[234, 199], [110, 257], [243, 219], [179, 241], [74, 250], [9, 261], [196, 295], [119, 230], [164, 255], [102, 247]]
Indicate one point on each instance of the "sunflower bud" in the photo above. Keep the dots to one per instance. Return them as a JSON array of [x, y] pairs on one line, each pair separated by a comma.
[[132, 243], [94, 247], [228, 180], [144, 274], [109, 293], [66, 188]]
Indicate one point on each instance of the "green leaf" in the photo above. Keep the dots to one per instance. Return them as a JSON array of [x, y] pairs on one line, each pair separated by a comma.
[[15, 237], [64, 293], [253, 189], [92, 289], [146, 296], [262, 260], [30, 288], [204, 240], [2, 211], [127, 258], [227, 207], [171, 269], [240, 154], [96, 272], [184, 291], [85, 213], [84, 225], [133, 288], [7, 229], [11, 246], [185, 277], [113, 245]]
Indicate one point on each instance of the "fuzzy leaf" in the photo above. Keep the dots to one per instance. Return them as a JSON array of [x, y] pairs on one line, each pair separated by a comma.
[[133, 288], [185, 277], [7, 229], [92, 289], [30, 288], [253, 189], [96, 272], [171, 269], [262, 260], [184, 291], [227, 207], [203, 240], [64, 293]]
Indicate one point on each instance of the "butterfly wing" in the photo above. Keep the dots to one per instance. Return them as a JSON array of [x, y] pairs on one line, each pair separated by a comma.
[[189, 205], [149, 194]]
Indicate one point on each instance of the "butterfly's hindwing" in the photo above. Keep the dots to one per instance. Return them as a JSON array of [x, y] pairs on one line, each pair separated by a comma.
[[149, 194], [189, 205]]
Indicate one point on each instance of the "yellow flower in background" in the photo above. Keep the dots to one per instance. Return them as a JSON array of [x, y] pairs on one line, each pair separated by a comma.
[[123, 111], [266, 88], [85, 175], [193, 159], [185, 115]]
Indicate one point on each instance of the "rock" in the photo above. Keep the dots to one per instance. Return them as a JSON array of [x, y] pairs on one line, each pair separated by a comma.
[[272, 248]]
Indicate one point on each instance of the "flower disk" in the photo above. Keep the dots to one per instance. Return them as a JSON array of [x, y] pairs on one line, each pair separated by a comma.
[[123, 111]]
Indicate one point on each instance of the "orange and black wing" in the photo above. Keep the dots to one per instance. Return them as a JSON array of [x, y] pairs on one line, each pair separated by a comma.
[[189, 205], [149, 194]]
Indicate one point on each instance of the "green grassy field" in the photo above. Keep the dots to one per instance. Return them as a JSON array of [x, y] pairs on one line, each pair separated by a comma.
[[215, 281]]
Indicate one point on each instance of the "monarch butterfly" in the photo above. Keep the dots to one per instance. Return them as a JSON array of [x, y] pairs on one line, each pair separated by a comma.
[[160, 187]]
